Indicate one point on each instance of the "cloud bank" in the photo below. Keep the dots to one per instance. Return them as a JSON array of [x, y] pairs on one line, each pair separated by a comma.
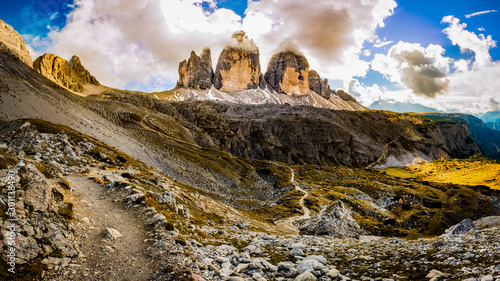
[[138, 44]]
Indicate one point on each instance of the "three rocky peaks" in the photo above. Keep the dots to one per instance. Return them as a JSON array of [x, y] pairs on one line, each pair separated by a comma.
[[238, 69]]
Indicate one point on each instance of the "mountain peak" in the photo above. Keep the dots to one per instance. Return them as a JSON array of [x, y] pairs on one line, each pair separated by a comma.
[[12, 43], [288, 72], [71, 75]]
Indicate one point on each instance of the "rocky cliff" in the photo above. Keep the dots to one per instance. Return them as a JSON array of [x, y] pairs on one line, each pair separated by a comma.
[[71, 75], [197, 71], [328, 137], [238, 67], [12, 43], [288, 72], [318, 85], [81, 73]]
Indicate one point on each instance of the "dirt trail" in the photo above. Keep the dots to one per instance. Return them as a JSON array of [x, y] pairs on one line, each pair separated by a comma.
[[289, 222], [123, 258]]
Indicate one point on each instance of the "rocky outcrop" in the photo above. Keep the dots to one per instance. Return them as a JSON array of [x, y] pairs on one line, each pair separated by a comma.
[[333, 220], [71, 75], [322, 88], [238, 67], [37, 200], [82, 73], [461, 228], [58, 70], [318, 85], [196, 72], [288, 72], [12, 43], [327, 137]]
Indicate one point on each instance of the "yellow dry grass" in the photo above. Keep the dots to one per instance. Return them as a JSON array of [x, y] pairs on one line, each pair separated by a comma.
[[467, 172]]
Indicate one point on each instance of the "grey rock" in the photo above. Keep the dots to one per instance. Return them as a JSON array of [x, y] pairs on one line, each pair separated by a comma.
[[111, 233], [487, 278], [487, 222], [435, 275]]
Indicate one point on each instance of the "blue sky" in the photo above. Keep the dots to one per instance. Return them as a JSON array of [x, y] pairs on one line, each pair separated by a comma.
[[399, 51]]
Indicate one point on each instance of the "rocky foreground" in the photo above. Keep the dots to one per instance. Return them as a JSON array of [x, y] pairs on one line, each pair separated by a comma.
[[99, 220]]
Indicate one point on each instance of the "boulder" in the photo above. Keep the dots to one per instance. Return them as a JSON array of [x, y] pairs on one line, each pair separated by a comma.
[[487, 222], [197, 71], [238, 67], [12, 43], [111, 233], [305, 276], [288, 72], [461, 227], [335, 220]]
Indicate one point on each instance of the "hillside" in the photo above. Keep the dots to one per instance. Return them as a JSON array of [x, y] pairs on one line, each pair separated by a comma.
[[487, 139], [469, 171]]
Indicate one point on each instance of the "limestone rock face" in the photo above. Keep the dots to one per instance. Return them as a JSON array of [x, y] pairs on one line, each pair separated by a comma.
[[196, 72], [319, 86], [343, 95], [322, 88], [71, 75], [83, 74], [288, 72], [12, 43], [238, 67], [335, 220]]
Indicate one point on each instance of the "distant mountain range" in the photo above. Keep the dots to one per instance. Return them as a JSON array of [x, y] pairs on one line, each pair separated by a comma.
[[491, 119]]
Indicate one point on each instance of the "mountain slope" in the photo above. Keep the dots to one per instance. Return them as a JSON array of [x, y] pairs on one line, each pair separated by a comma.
[[487, 139]]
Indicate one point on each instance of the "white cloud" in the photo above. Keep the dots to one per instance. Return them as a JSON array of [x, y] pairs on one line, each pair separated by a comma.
[[380, 44], [480, 13], [469, 41], [130, 42], [461, 65], [470, 92], [421, 69], [365, 95]]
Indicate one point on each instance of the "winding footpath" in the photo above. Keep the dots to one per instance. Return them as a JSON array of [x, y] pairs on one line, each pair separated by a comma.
[[289, 222]]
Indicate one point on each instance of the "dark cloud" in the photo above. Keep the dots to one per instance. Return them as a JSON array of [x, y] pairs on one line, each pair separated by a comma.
[[426, 80]]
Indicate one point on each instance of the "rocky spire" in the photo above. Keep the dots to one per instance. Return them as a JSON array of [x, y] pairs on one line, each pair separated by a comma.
[[197, 71], [82, 73], [288, 72], [238, 67], [319, 86]]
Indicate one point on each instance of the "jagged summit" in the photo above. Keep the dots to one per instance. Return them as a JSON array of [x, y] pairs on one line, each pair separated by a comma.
[[238, 67], [12, 43], [71, 75], [197, 71]]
